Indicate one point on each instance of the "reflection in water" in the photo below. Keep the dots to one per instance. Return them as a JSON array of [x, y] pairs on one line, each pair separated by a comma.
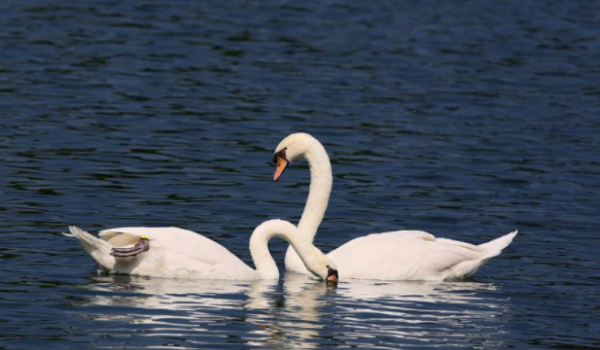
[[413, 312], [303, 312], [184, 308]]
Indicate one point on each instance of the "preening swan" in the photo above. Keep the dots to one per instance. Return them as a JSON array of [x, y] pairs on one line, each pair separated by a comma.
[[178, 253], [397, 255]]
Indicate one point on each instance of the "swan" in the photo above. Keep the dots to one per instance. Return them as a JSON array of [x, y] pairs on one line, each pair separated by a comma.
[[396, 255], [178, 253]]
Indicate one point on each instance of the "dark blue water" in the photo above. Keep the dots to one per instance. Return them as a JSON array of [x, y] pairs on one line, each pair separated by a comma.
[[466, 119]]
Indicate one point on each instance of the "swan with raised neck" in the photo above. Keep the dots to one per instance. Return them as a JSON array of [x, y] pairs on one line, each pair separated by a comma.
[[395, 255], [291, 148]]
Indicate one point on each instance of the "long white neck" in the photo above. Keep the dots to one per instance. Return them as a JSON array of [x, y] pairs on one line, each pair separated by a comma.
[[319, 192], [259, 246]]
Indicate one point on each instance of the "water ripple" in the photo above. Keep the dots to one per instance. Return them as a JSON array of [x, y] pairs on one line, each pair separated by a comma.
[[436, 117]]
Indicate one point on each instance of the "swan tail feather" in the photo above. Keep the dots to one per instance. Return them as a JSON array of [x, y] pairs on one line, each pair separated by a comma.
[[98, 249], [490, 249], [494, 247]]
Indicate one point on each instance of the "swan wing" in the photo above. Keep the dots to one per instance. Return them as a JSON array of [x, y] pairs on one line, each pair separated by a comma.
[[402, 255], [174, 240]]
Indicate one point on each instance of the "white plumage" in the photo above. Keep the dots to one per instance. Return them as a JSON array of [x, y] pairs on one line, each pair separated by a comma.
[[179, 253], [398, 255], [413, 255]]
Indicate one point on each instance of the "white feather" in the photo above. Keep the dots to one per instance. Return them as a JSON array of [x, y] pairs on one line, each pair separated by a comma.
[[398, 255], [179, 253]]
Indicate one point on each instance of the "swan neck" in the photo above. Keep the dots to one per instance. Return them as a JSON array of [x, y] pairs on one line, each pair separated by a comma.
[[319, 192], [261, 256], [259, 246]]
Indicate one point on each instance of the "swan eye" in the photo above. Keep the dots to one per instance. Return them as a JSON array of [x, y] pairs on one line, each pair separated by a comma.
[[280, 154]]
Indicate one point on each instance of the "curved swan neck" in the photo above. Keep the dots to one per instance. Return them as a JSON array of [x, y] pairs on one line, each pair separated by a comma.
[[259, 246], [320, 189]]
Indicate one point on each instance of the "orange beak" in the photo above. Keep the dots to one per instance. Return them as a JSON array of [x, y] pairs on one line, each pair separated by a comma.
[[281, 164]]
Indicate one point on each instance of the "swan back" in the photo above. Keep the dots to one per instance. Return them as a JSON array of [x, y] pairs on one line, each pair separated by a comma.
[[174, 253], [413, 255], [183, 242], [402, 255]]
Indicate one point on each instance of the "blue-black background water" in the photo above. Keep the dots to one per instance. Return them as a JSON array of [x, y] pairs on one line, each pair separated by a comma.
[[467, 119]]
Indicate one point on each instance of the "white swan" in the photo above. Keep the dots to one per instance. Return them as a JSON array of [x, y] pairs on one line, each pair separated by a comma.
[[178, 253], [397, 255]]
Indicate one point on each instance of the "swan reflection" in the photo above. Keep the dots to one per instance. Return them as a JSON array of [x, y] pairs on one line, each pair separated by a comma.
[[457, 312], [191, 296], [301, 312]]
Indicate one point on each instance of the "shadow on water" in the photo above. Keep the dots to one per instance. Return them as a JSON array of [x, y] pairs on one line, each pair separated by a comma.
[[299, 312]]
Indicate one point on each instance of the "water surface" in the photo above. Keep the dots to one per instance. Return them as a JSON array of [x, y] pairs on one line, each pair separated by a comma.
[[467, 119]]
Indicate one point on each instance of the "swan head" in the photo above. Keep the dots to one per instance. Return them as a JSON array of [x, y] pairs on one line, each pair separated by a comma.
[[322, 266], [291, 148], [332, 275]]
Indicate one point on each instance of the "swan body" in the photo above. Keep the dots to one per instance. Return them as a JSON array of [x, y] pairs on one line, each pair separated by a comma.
[[397, 255], [413, 255], [179, 253]]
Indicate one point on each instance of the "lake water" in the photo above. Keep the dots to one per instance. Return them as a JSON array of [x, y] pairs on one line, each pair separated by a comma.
[[466, 119]]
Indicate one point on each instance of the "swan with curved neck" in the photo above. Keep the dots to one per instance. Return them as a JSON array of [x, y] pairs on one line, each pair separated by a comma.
[[297, 146], [397, 255], [178, 253]]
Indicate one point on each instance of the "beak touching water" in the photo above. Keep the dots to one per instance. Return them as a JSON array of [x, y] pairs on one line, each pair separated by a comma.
[[282, 163], [332, 275]]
